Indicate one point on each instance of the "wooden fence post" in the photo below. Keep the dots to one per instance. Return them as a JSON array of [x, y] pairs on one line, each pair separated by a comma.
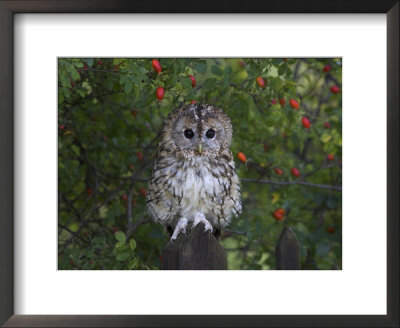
[[195, 250], [288, 251]]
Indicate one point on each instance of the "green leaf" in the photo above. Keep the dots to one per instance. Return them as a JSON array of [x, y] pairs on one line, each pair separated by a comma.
[[216, 70], [89, 62], [75, 75], [76, 150], [120, 236], [132, 263], [200, 67], [60, 97], [326, 138], [209, 84], [186, 82], [120, 244], [282, 69], [228, 70], [117, 61], [78, 64], [135, 91], [123, 79], [132, 244], [74, 227], [128, 87], [123, 256]]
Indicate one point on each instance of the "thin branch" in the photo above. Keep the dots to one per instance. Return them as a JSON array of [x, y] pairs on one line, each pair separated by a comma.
[[131, 229], [287, 183], [236, 232], [326, 166], [73, 233]]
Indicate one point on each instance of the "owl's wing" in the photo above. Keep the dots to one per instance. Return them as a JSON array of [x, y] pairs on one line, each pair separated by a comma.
[[161, 203], [227, 202]]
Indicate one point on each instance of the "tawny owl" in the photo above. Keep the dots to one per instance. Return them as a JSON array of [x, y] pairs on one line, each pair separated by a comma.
[[194, 178]]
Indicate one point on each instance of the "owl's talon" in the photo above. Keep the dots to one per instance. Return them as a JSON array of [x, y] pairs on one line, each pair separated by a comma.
[[180, 228], [208, 227], [200, 217]]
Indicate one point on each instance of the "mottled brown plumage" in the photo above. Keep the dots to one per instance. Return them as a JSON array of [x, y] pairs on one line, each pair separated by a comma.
[[194, 178]]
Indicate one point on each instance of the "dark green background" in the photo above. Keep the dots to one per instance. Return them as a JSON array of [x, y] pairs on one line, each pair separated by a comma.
[[109, 123]]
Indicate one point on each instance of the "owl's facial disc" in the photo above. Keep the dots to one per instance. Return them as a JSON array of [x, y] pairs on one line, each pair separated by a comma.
[[185, 134], [213, 135], [201, 130]]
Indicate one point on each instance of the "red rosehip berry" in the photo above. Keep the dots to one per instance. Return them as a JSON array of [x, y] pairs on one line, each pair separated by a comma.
[[241, 157], [89, 191], [330, 157], [140, 156], [294, 104], [160, 93], [281, 210], [273, 101], [193, 102], [295, 172], [260, 81], [278, 216], [327, 68], [62, 127], [265, 146], [327, 125], [156, 66], [125, 197], [282, 101], [100, 62], [335, 89], [193, 80], [331, 230], [278, 171], [306, 122]]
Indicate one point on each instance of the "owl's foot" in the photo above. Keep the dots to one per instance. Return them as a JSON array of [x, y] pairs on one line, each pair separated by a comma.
[[200, 217], [180, 228]]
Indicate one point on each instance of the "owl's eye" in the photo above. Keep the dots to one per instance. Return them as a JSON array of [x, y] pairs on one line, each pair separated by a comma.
[[188, 133], [210, 134]]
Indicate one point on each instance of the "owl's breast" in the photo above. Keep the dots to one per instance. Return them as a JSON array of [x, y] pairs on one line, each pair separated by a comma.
[[195, 185]]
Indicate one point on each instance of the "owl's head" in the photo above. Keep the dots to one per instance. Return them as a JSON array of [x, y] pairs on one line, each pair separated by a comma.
[[199, 130]]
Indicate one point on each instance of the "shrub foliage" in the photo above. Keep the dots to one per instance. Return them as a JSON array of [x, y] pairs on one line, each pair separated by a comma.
[[286, 115]]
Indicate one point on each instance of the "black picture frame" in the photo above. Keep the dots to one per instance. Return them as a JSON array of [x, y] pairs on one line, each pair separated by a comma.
[[7, 10]]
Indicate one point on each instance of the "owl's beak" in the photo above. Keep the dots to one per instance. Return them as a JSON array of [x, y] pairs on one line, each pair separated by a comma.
[[200, 148]]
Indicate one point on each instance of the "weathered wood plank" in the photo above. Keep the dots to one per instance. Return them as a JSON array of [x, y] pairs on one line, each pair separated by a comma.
[[288, 251], [195, 250]]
